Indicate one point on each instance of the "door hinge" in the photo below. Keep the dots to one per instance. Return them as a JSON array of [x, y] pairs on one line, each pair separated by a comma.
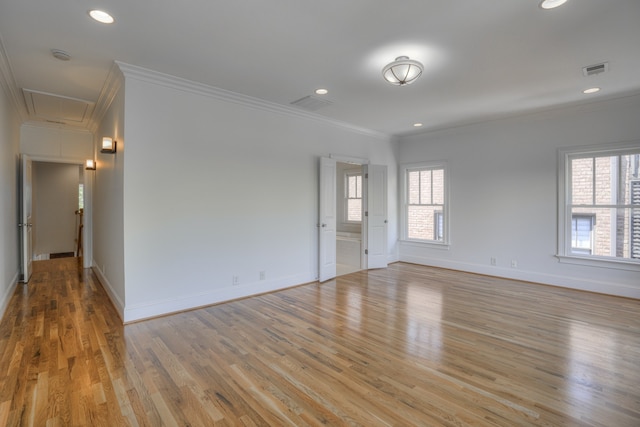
[[366, 176], [366, 213], [366, 251]]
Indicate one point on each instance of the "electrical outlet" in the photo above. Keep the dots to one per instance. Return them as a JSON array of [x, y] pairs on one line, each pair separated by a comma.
[[493, 260], [235, 280], [263, 275], [514, 263]]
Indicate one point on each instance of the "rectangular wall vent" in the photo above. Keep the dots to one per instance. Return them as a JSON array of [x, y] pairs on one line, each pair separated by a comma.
[[311, 103], [591, 70]]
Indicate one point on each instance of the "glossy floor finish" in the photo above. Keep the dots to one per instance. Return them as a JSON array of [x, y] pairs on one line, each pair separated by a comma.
[[403, 346]]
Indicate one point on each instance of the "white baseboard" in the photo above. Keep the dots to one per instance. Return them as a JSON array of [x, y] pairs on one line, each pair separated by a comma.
[[6, 297], [173, 305], [113, 296], [589, 285]]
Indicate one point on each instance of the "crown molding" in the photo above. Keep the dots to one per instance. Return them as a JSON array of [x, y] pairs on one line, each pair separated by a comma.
[[8, 83], [178, 83], [112, 85]]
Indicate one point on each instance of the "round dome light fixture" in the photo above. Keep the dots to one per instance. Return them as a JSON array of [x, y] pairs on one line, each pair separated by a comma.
[[402, 71]]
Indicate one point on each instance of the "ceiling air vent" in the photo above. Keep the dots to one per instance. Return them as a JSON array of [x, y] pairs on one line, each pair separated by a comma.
[[592, 70], [311, 103]]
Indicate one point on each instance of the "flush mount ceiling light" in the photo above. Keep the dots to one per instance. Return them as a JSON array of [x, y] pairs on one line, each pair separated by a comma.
[[402, 71], [101, 16], [551, 4]]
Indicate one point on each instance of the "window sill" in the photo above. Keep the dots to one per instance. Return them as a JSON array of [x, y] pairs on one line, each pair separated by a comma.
[[600, 262], [425, 244]]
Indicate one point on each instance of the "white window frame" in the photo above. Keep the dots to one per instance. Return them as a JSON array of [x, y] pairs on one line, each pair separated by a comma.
[[348, 174], [410, 167], [564, 251]]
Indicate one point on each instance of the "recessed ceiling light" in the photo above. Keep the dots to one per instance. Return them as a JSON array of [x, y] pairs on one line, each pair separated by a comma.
[[417, 125], [591, 90], [101, 16], [321, 91], [551, 4]]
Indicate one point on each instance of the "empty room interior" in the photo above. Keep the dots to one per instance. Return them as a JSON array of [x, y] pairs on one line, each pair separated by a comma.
[[302, 213]]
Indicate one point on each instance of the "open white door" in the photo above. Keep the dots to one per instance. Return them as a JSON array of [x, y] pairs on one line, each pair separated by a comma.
[[376, 216], [25, 225], [327, 220]]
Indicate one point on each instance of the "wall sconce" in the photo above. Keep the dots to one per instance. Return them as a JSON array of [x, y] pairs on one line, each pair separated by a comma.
[[108, 145], [90, 165]]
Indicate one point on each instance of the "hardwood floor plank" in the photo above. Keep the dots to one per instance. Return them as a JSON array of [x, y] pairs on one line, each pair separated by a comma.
[[402, 346]]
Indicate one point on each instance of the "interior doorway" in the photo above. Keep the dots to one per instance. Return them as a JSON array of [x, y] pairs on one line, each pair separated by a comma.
[[349, 218], [58, 201], [373, 214], [55, 194]]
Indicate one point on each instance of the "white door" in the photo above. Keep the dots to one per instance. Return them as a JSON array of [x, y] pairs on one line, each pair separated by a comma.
[[327, 220], [376, 216], [25, 219]]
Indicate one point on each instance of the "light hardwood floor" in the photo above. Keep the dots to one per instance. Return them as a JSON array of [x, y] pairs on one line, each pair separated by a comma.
[[402, 346]]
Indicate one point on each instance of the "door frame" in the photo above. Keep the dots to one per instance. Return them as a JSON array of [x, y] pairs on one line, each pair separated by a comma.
[[88, 180], [25, 224], [362, 162]]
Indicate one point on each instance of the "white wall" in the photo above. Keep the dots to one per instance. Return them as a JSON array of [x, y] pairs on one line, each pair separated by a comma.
[[55, 200], [503, 188], [9, 161], [215, 189], [44, 142], [107, 183]]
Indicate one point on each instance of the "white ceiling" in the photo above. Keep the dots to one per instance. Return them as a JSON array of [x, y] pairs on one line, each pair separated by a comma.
[[483, 59]]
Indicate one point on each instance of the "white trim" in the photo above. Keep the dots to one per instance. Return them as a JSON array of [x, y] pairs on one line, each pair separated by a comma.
[[112, 85], [4, 299], [613, 263], [423, 244], [111, 293], [8, 84], [161, 307], [348, 159], [597, 286], [178, 83]]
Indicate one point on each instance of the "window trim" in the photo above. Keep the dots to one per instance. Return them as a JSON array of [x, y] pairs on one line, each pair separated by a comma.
[[403, 171], [564, 253]]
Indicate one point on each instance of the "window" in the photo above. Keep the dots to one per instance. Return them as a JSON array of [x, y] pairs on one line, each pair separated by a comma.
[[600, 196], [438, 232], [424, 207], [80, 196], [353, 194], [582, 234]]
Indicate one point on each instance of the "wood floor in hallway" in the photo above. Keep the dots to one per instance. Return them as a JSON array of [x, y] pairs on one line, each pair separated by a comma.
[[402, 346]]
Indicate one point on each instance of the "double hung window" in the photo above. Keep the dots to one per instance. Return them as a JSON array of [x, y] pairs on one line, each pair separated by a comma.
[[353, 193], [425, 203], [600, 204]]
